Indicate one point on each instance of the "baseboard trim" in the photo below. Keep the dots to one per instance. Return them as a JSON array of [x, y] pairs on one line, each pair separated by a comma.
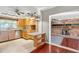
[[9, 40]]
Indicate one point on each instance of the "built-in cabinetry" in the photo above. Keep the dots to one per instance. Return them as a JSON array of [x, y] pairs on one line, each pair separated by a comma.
[[3, 36], [29, 30], [27, 24], [71, 43], [21, 23], [39, 38], [7, 35]]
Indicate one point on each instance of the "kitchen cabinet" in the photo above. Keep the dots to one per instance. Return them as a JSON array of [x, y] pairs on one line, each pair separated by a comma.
[[7, 35], [31, 25], [74, 43], [3, 36], [27, 25], [12, 35], [64, 42], [24, 34], [38, 38], [71, 43], [21, 23]]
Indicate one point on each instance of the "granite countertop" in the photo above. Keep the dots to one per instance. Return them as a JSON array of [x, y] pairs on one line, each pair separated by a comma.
[[67, 36], [10, 29], [35, 33], [73, 37]]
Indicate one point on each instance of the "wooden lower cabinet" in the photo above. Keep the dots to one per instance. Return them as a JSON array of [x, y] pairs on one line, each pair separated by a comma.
[[65, 42], [71, 43], [12, 35], [23, 34], [7, 35], [3, 36], [37, 38]]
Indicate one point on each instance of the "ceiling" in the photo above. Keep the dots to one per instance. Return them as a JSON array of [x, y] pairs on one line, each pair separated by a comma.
[[65, 15], [44, 7], [10, 10]]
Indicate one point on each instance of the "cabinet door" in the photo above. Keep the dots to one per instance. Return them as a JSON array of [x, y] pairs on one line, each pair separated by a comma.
[[12, 35], [70, 43], [76, 44], [73, 43], [21, 23], [24, 34], [65, 42], [18, 34], [3, 36]]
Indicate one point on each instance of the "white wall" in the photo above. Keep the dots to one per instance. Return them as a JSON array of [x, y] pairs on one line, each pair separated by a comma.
[[39, 21], [45, 22]]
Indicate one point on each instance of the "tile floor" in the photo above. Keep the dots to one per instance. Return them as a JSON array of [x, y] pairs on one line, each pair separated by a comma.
[[17, 46]]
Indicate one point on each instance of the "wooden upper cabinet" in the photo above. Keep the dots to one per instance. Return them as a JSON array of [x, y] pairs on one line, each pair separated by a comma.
[[28, 24], [71, 21], [30, 21], [27, 21], [21, 23]]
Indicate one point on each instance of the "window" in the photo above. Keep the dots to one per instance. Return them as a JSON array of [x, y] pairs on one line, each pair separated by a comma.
[[7, 24]]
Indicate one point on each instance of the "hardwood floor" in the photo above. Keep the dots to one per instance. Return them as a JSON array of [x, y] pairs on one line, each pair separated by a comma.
[[42, 49], [54, 49], [17, 46]]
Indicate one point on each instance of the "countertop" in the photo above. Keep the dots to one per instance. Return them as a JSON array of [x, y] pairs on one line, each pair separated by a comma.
[[67, 36], [35, 33], [10, 29]]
